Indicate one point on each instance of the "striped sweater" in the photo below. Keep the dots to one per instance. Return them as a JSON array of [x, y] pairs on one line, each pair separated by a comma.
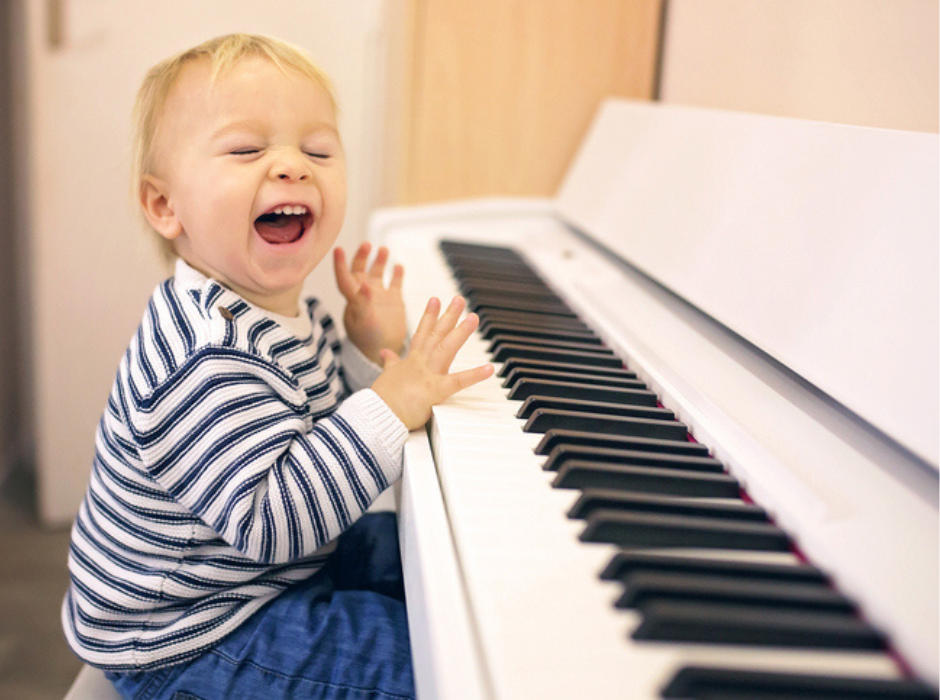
[[228, 459]]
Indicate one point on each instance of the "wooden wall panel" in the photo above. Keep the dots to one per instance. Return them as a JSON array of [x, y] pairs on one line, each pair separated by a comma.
[[503, 90]]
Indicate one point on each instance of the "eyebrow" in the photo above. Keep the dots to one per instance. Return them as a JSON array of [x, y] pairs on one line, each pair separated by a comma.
[[253, 125]]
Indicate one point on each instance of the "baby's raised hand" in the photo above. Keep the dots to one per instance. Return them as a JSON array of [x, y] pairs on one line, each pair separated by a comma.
[[375, 314], [410, 386]]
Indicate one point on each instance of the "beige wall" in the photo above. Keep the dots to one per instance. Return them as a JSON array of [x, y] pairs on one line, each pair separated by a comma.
[[868, 62]]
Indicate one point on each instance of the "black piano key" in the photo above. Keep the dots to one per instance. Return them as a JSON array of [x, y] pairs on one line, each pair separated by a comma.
[[468, 265], [555, 310], [460, 261], [659, 530], [482, 256], [625, 563], [556, 437], [528, 293], [709, 683], [542, 321], [495, 272], [451, 245], [640, 458], [579, 374], [525, 388], [569, 357], [489, 328], [460, 247], [469, 284], [593, 500], [535, 403], [490, 331], [509, 284], [528, 290], [467, 260], [644, 587], [500, 340], [614, 381], [545, 419], [670, 482], [488, 269], [533, 297], [719, 623]]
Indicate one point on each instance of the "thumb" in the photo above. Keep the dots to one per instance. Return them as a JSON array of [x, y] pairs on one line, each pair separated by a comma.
[[389, 358]]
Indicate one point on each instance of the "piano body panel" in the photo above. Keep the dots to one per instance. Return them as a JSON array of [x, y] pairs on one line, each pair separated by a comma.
[[807, 238], [439, 621]]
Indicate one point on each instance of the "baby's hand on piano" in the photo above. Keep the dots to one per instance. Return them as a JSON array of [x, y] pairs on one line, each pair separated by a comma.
[[375, 314], [412, 385]]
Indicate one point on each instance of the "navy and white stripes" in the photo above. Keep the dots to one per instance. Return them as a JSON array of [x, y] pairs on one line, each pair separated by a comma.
[[229, 457]]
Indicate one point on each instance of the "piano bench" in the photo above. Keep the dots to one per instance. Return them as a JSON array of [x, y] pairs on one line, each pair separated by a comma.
[[90, 684]]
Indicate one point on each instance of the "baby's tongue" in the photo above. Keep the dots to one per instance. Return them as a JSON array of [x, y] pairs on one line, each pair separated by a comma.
[[280, 228]]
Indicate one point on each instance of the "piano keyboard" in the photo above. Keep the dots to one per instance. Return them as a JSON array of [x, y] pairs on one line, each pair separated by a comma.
[[660, 575]]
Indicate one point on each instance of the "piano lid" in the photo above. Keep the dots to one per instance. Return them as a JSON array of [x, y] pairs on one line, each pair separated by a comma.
[[816, 242]]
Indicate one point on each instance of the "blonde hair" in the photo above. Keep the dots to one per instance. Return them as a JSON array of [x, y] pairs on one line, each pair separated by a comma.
[[223, 53]]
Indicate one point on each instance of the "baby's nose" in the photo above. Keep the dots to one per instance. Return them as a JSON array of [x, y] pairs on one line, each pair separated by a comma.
[[290, 166]]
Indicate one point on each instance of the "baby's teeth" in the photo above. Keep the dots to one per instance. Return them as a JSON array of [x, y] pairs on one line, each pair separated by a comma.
[[296, 211]]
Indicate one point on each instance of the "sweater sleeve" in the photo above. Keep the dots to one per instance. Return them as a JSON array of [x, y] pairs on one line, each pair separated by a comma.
[[359, 370], [228, 436]]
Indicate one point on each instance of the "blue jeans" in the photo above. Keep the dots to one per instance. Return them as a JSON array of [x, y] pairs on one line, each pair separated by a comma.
[[342, 633]]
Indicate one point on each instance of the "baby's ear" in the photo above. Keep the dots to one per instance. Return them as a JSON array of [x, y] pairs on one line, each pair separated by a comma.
[[155, 202]]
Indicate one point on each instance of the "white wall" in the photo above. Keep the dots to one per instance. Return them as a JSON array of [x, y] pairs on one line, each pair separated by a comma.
[[90, 265], [868, 62]]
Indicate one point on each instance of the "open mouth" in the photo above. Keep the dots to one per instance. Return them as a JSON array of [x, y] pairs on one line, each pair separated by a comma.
[[285, 224]]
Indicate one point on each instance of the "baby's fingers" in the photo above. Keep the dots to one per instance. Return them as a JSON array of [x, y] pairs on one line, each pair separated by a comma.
[[426, 323], [443, 354], [431, 329], [398, 274], [361, 258], [378, 265], [442, 326], [458, 381], [347, 284]]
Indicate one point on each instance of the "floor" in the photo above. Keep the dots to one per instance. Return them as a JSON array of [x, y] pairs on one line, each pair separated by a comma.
[[35, 662]]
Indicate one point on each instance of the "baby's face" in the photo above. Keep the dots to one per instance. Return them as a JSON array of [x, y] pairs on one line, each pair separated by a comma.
[[253, 175]]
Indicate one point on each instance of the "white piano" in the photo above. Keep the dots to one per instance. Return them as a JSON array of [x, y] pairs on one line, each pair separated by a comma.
[[775, 283]]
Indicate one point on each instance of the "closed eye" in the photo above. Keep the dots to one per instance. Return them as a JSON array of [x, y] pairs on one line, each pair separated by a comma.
[[244, 151], [319, 155]]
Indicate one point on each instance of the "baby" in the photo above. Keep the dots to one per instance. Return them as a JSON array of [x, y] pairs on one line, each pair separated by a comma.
[[220, 550]]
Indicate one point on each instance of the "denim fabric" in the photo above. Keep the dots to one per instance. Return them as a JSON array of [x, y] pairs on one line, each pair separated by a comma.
[[342, 633]]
